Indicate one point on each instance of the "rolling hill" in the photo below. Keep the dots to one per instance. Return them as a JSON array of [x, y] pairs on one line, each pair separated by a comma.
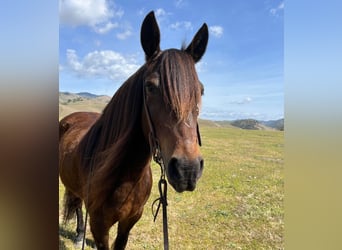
[[259, 125], [84, 101], [71, 102], [277, 124]]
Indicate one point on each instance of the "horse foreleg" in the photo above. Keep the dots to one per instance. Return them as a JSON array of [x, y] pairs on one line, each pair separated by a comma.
[[100, 231], [124, 228]]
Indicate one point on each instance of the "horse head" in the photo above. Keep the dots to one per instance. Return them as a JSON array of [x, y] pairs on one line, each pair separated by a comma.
[[172, 99]]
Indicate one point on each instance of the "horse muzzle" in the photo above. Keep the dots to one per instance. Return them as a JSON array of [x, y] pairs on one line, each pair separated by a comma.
[[183, 173]]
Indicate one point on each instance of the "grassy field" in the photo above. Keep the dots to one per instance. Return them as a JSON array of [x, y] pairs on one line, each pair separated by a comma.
[[238, 203]]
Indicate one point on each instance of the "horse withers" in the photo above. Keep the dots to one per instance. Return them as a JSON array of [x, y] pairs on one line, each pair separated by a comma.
[[105, 158]]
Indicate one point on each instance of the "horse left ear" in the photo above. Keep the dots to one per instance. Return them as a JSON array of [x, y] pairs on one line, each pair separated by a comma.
[[199, 43], [150, 36]]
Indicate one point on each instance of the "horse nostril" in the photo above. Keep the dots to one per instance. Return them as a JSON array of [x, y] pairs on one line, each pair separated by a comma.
[[201, 164], [173, 168], [173, 162]]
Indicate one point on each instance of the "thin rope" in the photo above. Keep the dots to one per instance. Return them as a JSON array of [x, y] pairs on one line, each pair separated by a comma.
[[162, 201]]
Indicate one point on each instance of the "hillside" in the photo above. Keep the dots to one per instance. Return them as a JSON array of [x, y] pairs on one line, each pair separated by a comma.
[[277, 124], [67, 97], [83, 101], [252, 124], [219, 124], [70, 102], [88, 95]]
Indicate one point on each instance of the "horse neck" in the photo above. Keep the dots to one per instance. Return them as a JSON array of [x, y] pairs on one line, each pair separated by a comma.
[[118, 135]]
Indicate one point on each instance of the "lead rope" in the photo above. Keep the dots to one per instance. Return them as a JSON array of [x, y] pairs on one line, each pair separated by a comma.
[[162, 184], [162, 187]]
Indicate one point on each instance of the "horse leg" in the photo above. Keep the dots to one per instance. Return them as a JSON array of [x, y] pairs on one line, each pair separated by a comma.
[[100, 231], [73, 204], [80, 225], [124, 228]]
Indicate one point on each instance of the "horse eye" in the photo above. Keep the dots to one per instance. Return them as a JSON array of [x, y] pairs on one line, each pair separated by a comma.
[[197, 110], [151, 88], [202, 88]]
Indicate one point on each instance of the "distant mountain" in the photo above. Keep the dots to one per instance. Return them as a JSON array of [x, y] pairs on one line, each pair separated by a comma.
[[259, 125], [208, 123], [67, 97], [71, 102], [88, 95], [249, 124], [276, 124]]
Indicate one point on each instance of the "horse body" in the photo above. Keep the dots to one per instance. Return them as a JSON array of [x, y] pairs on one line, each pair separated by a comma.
[[129, 193], [105, 158], [71, 130]]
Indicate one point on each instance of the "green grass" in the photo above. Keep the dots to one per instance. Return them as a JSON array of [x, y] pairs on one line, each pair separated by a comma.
[[238, 203]]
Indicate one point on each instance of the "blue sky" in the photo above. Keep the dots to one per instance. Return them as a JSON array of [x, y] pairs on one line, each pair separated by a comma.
[[242, 70]]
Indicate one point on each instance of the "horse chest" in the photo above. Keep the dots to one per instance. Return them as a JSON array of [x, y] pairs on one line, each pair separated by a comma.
[[130, 197]]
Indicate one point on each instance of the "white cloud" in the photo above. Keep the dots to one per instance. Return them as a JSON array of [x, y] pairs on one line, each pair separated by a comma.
[[107, 27], [94, 13], [179, 3], [216, 31], [175, 25], [97, 43], [142, 12], [73, 61], [180, 25], [274, 11], [160, 12], [201, 66], [105, 63], [241, 101], [161, 15], [246, 100], [83, 12], [124, 35]]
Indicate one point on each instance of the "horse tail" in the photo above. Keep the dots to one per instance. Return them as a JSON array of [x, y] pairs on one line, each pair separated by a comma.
[[71, 203]]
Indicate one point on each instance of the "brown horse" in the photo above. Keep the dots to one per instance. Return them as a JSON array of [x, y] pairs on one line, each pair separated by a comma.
[[105, 158]]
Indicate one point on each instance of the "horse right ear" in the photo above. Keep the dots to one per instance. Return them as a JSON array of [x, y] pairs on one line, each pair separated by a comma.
[[150, 36]]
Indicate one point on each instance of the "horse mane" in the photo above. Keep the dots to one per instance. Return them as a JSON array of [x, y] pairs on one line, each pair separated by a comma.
[[106, 146], [180, 86]]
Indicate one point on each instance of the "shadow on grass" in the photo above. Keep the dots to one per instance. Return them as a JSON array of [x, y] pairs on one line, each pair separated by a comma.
[[67, 234]]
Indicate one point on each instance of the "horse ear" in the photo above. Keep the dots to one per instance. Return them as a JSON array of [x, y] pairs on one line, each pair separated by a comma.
[[150, 36], [199, 43]]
